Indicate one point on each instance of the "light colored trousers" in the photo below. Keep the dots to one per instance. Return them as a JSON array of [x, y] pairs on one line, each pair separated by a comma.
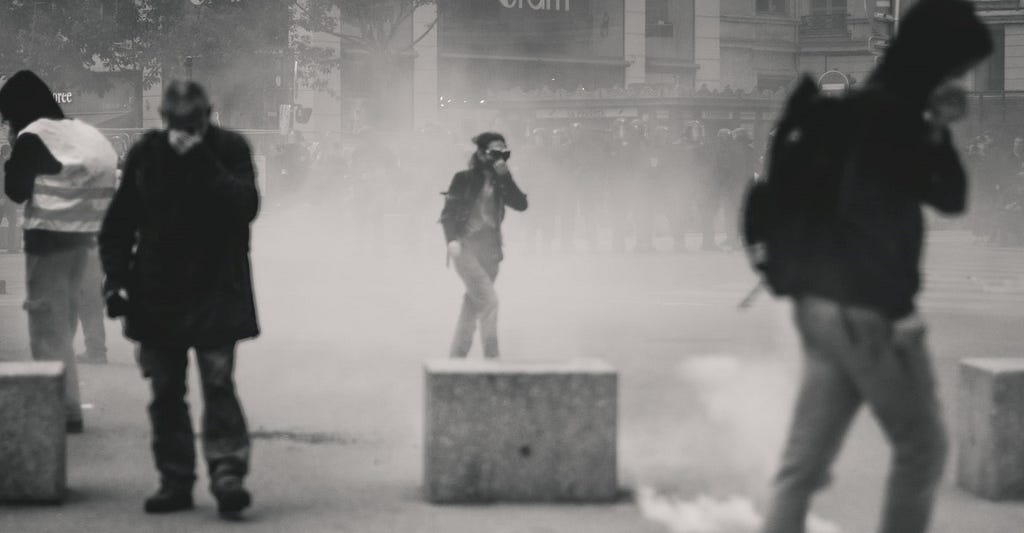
[[54, 283], [856, 356], [91, 307], [478, 268]]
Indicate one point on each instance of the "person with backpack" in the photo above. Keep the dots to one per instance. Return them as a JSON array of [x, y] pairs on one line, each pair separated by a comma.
[[837, 225], [474, 209]]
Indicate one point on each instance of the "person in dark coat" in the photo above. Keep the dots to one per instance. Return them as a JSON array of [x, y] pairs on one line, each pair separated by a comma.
[[864, 341], [474, 209], [175, 249]]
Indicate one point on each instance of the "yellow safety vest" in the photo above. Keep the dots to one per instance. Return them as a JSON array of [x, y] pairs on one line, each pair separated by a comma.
[[76, 199]]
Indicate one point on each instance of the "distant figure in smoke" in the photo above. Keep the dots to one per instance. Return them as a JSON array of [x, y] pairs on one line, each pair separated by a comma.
[[64, 170], [864, 342], [473, 211], [175, 249], [9, 210], [89, 311]]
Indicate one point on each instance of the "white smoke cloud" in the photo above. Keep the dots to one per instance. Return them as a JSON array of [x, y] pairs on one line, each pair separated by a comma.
[[709, 515]]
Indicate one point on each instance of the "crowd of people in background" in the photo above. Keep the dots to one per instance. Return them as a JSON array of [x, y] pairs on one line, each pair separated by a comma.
[[592, 189], [996, 166], [615, 188]]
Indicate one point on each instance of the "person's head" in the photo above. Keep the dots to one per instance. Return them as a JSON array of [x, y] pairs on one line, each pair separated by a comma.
[[5, 151], [25, 99], [938, 41], [186, 107], [490, 148]]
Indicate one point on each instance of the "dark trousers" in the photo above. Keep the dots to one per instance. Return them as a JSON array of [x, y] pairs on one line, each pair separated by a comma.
[[226, 444], [709, 205]]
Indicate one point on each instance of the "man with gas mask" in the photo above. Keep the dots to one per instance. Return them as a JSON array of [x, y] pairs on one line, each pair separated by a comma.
[[473, 212], [175, 250]]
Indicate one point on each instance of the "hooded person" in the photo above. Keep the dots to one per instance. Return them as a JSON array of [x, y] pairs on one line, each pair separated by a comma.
[[864, 341], [64, 171]]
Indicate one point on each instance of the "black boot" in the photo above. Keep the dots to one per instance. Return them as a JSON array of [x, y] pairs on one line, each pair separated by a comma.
[[231, 496], [168, 500]]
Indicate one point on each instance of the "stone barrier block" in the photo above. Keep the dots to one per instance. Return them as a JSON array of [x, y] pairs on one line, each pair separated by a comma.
[[990, 461], [32, 432], [520, 431]]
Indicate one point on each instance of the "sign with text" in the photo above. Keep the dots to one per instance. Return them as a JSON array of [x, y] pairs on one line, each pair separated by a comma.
[[577, 29]]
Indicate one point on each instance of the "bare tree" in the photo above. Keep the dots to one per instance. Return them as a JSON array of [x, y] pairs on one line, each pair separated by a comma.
[[376, 42]]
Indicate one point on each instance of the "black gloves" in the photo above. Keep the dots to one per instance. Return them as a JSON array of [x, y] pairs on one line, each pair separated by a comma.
[[117, 302]]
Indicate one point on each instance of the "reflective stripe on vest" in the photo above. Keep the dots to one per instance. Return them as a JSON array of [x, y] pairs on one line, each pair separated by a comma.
[[76, 199]]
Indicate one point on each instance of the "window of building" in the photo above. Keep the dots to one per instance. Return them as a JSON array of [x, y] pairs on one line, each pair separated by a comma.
[[991, 75], [773, 7], [823, 7], [659, 24]]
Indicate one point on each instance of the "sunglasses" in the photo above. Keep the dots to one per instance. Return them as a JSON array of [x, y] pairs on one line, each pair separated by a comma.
[[498, 154]]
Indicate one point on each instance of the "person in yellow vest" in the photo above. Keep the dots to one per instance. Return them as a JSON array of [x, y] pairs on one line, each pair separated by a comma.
[[63, 170]]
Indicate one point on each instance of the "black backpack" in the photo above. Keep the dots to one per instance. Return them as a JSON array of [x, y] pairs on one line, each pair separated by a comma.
[[788, 217]]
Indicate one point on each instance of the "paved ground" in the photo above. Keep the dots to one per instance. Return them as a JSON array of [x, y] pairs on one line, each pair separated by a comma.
[[333, 388]]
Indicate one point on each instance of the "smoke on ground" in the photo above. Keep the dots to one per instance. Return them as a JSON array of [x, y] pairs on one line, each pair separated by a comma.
[[709, 515]]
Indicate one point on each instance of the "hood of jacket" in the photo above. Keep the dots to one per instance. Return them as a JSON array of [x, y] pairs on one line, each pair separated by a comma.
[[936, 39], [25, 99]]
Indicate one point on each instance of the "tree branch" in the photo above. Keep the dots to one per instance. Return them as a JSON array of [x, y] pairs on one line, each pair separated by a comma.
[[426, 32]]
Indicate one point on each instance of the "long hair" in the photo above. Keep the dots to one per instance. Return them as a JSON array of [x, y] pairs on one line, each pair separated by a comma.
[[25, 99], [482, 141]]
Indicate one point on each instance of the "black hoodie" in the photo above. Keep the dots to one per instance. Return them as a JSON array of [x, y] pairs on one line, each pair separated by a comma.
[[897, 164]]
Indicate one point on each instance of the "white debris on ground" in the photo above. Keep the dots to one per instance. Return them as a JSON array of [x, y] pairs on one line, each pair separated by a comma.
[[709, 515]]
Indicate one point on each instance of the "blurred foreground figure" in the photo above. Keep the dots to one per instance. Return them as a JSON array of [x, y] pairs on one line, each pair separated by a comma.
[[473, 211], [64, 171], [854, 292], [175, 249]]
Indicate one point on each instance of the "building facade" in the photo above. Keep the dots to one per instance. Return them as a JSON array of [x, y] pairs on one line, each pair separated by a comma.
[[597, 60]]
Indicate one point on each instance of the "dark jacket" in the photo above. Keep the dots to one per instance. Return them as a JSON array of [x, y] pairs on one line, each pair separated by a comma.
[[176, 238], [462, 195], [896, 164]]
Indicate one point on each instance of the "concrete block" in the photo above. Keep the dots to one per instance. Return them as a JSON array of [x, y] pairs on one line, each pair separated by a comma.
[[990, 461], [32, 432], [520, 431]]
